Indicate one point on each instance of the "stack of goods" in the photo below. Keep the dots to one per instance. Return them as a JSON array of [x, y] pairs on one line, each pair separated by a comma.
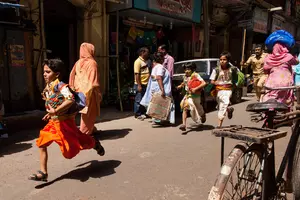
[[282, 37]]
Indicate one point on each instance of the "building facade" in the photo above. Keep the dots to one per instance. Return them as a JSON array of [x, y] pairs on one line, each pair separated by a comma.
[[230, 18]]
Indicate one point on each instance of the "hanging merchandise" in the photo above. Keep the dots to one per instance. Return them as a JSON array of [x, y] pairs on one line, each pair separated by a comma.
[[140, 40], [147, 37], [129, 40], [153, 37], [113, 36], [132, 32], [140, 36], [160, 34], [140, 32]]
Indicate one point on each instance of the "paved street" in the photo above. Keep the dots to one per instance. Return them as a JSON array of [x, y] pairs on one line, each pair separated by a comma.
[[141, 163]]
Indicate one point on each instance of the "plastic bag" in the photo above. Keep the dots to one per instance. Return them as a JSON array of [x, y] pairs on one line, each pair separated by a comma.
[[280, 36]]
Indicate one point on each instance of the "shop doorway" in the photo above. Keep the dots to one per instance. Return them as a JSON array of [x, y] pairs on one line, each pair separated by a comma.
[[60, 32]]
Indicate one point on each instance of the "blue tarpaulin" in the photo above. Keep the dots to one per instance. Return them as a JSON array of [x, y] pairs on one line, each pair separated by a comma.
[[10, 5]]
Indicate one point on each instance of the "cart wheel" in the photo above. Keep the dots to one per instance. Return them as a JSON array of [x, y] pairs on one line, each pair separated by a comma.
[[239, 174]]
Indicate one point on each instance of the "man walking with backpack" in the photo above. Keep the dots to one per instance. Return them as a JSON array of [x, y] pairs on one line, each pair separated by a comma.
[[257, 64]]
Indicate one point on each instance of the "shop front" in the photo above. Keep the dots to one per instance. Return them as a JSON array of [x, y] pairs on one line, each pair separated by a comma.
[[143, 23], [16, 81]]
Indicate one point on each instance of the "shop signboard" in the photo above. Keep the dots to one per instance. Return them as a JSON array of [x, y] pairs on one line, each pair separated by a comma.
[[245, 23], [186, 9], [182, 8], [17, 56], [260, 21]]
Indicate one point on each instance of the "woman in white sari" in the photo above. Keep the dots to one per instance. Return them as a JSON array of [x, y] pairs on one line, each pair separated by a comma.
[[160, 81]]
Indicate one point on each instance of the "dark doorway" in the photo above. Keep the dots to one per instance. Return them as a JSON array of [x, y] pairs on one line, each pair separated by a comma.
[[60, 31]]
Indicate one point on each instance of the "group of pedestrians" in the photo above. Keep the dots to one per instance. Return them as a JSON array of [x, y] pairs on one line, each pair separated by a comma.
[[279, 68], [151, 74], [82, 94], [155, 76]]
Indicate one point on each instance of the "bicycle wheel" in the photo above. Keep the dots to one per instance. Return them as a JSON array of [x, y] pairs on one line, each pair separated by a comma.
[[239, 176], [296, 168]]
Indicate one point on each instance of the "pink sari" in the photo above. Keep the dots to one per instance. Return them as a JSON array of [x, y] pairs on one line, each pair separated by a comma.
[[278, 67]]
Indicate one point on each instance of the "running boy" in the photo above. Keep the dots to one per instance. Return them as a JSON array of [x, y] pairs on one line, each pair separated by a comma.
[[221, 77], [61, 127], [192, 83]]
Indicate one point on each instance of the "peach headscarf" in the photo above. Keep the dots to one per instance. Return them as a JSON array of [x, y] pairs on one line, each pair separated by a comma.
[[87, 51], [84, 75]]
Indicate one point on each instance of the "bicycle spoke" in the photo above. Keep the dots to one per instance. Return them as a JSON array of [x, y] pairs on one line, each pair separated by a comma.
[[242, 182]]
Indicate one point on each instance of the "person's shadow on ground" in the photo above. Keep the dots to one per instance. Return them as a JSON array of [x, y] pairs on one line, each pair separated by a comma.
[[112, 134], [94, 169], [198, 128], [14, 148]]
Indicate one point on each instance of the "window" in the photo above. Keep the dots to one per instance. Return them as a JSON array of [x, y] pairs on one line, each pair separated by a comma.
[[213, 65], [202, 67]]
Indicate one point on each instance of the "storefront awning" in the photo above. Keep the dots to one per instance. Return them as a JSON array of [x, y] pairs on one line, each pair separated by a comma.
[[10, 5]]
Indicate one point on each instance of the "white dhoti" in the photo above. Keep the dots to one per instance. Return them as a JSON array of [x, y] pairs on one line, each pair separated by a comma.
[[223, 99], [194, 106]]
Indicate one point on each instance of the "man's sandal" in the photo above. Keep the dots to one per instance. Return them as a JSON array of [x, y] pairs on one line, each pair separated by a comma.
[[40, 176]]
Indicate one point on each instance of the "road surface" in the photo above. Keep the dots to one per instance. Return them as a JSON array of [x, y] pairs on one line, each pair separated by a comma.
[[141, 163]]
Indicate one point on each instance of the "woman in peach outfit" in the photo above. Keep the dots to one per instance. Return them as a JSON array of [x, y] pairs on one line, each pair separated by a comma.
[[84, 78]]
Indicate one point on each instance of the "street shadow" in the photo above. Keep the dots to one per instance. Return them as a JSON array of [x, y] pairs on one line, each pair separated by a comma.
[[118, 115], [112, 134], [19, 137], [94, 169], [14, 148], [108, 114], [198, 128]]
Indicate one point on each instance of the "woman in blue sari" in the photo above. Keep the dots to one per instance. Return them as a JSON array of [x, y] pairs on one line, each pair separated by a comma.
[[160, 81]]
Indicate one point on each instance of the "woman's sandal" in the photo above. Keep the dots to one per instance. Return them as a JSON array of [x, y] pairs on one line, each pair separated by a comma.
[[99, 148], [36, 177]]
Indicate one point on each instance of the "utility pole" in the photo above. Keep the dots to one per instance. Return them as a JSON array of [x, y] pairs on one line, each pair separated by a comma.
[[206, 28]]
